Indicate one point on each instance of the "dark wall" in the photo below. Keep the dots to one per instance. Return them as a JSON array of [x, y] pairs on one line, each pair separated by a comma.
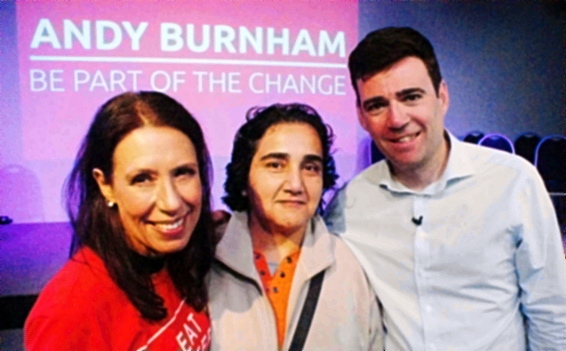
[[504, 62]]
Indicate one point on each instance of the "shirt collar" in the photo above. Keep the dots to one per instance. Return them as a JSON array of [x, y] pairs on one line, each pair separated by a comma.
[[459, 166], [236, 252]]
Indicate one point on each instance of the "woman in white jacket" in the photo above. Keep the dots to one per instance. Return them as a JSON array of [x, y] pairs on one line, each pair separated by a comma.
[[275, 245]]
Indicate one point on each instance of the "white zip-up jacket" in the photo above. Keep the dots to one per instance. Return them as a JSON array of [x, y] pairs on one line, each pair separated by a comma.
[[347, 315]]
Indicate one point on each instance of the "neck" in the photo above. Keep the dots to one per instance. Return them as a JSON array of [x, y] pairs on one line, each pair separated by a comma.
[[420, 176], [146, 264], [273, 244]]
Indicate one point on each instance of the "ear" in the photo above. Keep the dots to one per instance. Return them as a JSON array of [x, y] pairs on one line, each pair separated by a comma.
[[361, 118], [444, 97], [103, 185]]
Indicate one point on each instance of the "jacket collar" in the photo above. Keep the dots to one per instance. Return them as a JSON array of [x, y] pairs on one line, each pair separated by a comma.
[[236, 252]]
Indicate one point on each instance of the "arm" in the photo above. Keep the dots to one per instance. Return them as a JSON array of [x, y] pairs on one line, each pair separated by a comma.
[[334, 213], [376, 338], [335, 221], [541, 269]]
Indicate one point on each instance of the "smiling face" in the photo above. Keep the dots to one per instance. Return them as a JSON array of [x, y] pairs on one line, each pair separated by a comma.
[[156, 187], [285, 179], [401, 111]]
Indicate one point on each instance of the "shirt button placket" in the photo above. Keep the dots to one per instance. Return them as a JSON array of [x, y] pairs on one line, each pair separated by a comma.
[[421, 257]]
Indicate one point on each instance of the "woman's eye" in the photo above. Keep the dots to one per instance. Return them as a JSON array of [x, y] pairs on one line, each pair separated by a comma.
[[274, 165], [313, 168], [141, 178], [185, 171]]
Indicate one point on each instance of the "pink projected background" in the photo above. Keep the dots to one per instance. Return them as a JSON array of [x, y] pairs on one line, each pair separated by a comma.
[[217, 58]]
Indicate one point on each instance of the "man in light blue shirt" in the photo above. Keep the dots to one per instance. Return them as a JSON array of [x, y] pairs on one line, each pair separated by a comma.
[[460, 242]]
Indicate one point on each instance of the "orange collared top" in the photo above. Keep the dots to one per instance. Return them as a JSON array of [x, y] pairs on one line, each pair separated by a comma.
[[278, 287]]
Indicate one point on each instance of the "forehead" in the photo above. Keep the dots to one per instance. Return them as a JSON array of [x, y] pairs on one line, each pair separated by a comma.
[[290, 138], [152, 146], [409, 72]]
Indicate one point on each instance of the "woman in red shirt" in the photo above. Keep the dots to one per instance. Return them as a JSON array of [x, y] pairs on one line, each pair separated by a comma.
[[139, 202]]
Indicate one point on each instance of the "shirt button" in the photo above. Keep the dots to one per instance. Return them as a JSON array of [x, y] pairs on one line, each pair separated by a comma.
[[275, 290], [428, 308]]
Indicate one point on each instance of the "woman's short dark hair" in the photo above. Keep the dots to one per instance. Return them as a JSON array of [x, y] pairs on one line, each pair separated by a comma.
[[258, 121], [384, 47], [99, 227]]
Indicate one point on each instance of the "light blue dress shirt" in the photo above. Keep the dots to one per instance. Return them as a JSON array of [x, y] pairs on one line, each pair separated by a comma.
[[484, 270]]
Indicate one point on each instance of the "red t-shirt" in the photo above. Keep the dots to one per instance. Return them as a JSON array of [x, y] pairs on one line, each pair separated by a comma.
[[81, 308]]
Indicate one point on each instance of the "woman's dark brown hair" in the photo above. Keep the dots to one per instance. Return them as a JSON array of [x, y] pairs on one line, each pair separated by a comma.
[[99, 227]]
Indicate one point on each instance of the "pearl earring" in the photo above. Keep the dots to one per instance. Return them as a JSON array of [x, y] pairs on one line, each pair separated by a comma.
[[110, 204]]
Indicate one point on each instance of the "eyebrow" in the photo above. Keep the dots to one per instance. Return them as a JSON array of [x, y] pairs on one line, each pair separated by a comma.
[[135, 171], [187, 164], [409, 91], [131, 174], [284, 156], [278, 155], [380, 100], [312, 158]]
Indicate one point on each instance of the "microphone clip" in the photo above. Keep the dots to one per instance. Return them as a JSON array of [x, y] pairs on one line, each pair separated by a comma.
[[417, 221]]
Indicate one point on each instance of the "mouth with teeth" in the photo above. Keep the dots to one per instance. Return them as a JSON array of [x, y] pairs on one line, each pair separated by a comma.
[[406, 138], [170, 227]]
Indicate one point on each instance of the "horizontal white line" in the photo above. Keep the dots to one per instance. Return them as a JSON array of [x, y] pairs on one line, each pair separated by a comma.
[[186, 61]]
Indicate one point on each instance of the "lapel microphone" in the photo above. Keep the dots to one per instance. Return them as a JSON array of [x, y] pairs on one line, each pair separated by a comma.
[[417, 221]]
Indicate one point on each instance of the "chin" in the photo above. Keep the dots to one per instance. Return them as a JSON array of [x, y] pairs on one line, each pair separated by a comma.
[[170, 248]]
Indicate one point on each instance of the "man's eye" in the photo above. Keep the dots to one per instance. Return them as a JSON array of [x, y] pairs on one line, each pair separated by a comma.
[[373, 108], [413, 97]]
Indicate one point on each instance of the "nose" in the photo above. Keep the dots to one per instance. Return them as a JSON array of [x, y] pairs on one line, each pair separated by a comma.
[[294, 182], [168, 197], [396, 116]]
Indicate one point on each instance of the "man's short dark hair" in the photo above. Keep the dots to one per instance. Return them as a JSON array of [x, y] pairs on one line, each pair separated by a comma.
[[258, 121], [384, 47]]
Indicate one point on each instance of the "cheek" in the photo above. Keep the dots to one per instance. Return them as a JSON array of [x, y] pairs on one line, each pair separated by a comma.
[[374, 126], [263, 185], [315, 189], [134, 204], [260, 196], [191, 193], [363, 121]]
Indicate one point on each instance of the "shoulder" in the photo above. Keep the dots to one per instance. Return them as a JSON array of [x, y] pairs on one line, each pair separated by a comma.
[[342, 252], [346, 268], [496, 167], [362, 193], [83, 273], [369, 176], [488, 158], [70, 304], [346, 296], [363, 185]]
